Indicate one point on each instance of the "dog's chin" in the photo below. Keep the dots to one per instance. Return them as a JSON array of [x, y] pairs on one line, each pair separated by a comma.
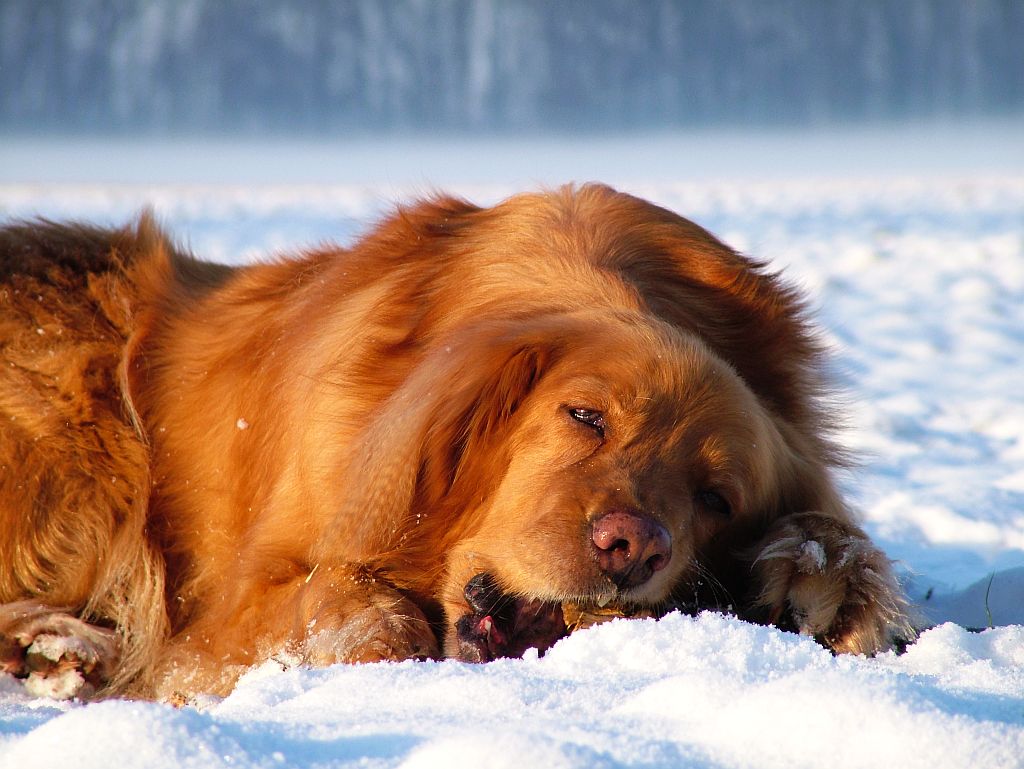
[[607, 596]]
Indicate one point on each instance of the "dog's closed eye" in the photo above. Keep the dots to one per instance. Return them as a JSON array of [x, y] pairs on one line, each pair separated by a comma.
[[589, 417]]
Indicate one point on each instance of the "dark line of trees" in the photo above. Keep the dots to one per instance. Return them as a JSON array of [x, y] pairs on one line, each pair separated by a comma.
[[321, 66]]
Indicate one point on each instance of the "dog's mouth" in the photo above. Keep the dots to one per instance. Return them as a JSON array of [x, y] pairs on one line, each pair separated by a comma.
[[502, 625]]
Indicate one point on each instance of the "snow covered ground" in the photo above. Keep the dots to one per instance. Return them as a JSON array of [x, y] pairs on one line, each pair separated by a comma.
[[915, 263]]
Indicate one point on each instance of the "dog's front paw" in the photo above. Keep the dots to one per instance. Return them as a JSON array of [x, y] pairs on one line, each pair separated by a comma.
[[500, 625], [55, 654], [823, 577], [371, 623]]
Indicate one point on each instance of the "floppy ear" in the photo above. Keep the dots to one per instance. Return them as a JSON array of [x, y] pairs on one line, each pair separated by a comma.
[[469, 417], [748, 315], [428, 434]]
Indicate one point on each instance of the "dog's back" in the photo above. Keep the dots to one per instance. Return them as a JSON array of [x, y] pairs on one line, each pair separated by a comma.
[[55, 252]]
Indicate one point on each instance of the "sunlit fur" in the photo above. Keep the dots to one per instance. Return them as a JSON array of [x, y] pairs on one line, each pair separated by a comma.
[[315, 455]]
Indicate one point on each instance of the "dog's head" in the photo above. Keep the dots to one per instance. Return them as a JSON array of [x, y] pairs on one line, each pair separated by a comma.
[[613, 455], [587, 457], [608, 447]]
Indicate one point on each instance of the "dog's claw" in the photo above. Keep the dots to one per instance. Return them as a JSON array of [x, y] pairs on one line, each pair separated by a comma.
[[482, 593]]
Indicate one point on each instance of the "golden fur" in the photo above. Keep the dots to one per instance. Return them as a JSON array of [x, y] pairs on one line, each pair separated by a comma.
[[471, 430]]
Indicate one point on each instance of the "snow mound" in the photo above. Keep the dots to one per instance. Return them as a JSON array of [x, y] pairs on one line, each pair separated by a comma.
[[706, 691]]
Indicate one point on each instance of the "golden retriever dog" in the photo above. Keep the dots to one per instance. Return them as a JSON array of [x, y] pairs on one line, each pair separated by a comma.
[[472, 432]]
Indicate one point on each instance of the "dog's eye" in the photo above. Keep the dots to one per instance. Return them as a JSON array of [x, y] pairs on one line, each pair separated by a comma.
[[589, 417], [714, 502]]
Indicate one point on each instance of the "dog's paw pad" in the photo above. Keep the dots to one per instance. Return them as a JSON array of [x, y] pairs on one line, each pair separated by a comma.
[[55, 654], [500, 625]]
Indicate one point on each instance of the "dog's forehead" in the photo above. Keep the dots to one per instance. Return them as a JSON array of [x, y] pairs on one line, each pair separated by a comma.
[[659, 378]]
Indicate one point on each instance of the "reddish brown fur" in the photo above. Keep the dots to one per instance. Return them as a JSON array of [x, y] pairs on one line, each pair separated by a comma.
[[318, 454]]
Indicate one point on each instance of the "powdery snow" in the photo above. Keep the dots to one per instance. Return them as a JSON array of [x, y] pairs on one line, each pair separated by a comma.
[[708, 691], [918, 284]]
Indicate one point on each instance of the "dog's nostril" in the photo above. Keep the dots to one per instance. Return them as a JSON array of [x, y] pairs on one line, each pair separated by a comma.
[[657, 562]]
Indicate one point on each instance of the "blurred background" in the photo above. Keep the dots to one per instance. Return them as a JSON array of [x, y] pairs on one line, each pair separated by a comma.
[[324, 72], [324, 67]]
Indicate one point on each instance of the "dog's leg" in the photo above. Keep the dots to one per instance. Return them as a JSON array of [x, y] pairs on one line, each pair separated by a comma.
[[823, 577], [56, 654], [349, 614], [342, 613]]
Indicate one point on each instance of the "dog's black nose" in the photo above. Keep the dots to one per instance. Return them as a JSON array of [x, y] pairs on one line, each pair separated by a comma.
[[630, 547]]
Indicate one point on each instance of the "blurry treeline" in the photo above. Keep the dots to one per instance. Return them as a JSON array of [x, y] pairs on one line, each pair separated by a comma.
[[320, 66]]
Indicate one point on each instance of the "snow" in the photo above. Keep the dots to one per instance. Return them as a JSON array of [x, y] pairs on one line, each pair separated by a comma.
[[63, 681], [59, 687], [916, 273], [814, 554], [400, 163], [706, 691]]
